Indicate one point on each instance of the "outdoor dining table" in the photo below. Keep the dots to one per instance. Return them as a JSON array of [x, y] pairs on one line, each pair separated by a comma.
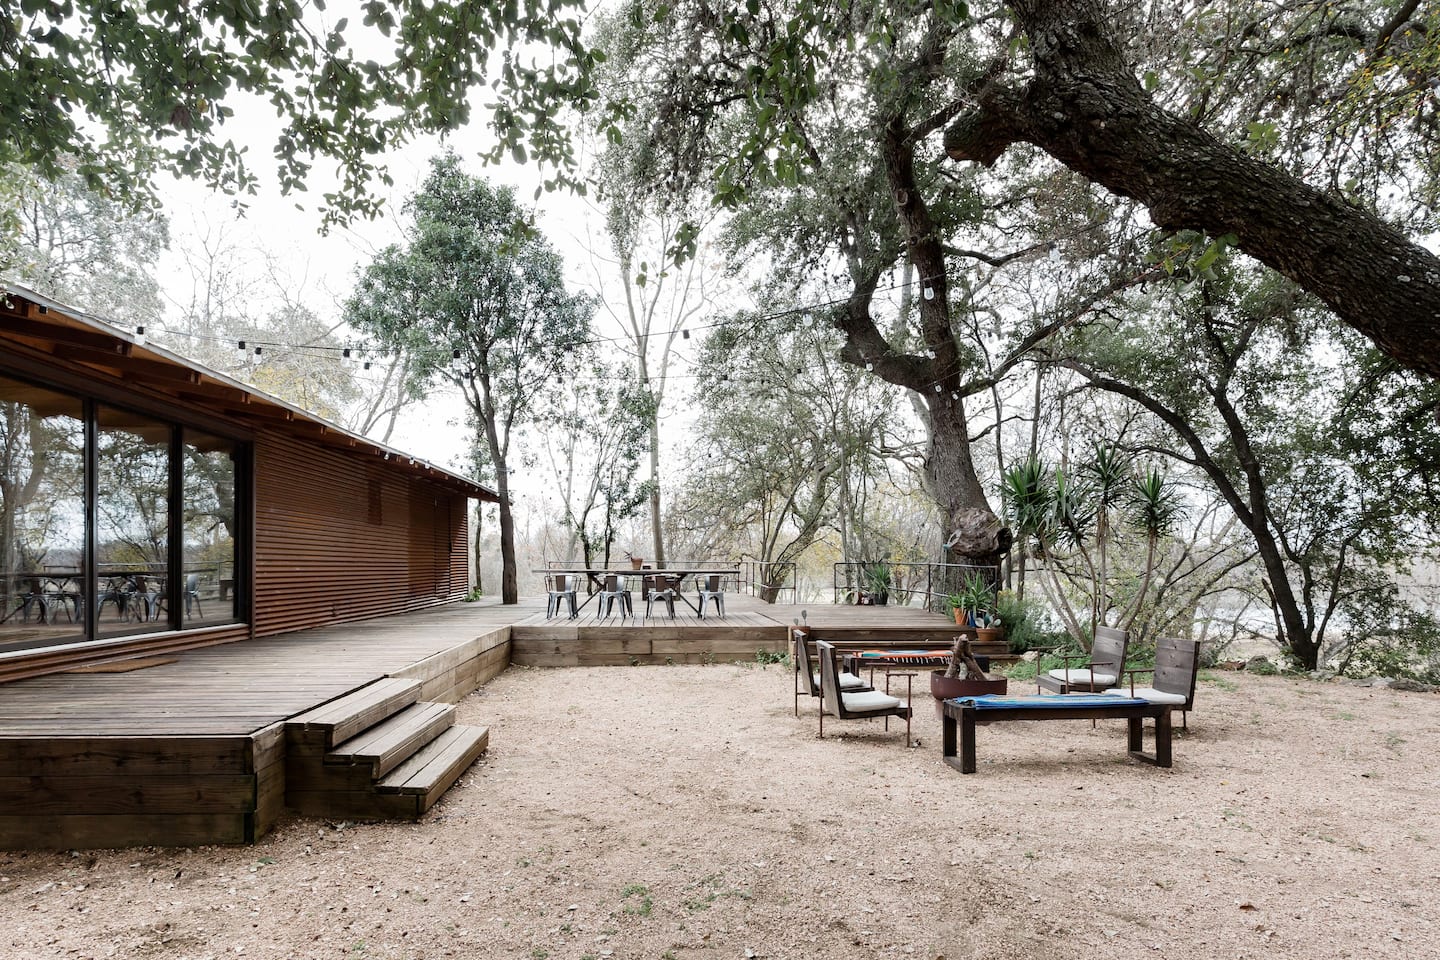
[[40, 589], [597, 576]]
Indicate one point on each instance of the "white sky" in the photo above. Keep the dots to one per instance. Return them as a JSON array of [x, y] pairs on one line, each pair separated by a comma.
[[326, 264]]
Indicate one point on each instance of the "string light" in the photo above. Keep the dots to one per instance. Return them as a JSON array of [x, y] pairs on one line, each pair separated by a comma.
[[241, 345], [928, 292], [140, 335]]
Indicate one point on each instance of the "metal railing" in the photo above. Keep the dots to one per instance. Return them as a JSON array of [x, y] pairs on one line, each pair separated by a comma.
[[904, 583]]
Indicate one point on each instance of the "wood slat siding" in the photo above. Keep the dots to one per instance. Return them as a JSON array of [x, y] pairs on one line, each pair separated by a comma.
[[337, 539]]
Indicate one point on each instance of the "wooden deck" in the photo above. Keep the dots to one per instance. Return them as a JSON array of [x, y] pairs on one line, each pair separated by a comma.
[[192, 748]]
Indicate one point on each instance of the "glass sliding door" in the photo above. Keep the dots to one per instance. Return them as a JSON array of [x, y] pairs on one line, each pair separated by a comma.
[[209, 583], [42, 516], [132, 522]]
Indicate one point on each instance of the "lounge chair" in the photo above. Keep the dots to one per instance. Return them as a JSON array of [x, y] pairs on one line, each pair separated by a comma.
[[1176, 664], [1100, 670], [806, 666], [853, 705]]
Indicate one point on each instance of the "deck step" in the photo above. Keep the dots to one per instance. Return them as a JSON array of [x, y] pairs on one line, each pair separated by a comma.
[[437, 765], [387, 744], [344, 717]]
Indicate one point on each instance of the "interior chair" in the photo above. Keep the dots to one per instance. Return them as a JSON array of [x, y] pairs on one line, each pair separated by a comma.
[[856, 705], [660, 588], [711, 588], [1092, 673], [805, 665], [614, 591], [561, 586], [1177, 664]]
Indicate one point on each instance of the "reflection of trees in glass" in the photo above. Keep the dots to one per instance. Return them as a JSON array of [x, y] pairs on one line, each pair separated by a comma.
[[40, 484], [209, 506], [132, 501]]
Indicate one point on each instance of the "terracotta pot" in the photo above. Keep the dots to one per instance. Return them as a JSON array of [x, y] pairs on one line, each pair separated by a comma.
[[989, 634], [961, 619], [637, 563]]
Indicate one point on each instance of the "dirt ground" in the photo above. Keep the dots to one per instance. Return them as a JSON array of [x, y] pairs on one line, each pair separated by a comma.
[[658, 812]]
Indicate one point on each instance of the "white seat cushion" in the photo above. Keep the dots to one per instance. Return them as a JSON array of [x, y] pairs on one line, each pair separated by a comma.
[[1149, 693], [848, 681], [870, 701], [1085, 678]]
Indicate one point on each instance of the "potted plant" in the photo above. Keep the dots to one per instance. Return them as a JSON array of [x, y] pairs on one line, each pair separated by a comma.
[[963, 677], [957, 607], [976, 598], [875, 583], [988, 628]]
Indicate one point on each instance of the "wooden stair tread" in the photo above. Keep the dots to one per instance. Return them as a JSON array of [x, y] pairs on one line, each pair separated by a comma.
[[344, 717], [388, 743], [438, 764]]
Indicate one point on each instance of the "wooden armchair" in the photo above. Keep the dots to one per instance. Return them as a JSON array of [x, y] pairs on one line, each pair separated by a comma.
[[1098, 671], [853, 705], [804, 663], [1177, 664]]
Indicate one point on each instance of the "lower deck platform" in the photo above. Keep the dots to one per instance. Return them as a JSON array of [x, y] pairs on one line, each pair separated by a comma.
[[191, 748]]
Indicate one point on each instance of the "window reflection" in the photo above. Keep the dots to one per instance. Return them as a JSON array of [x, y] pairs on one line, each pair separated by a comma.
[[42, 516], [209, 582], [132, 516]]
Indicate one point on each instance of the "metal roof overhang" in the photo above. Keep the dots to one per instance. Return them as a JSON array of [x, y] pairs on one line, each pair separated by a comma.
[[74, 342]]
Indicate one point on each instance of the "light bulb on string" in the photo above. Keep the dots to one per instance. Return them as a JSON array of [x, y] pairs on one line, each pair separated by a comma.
[[869, 367], [938, 388], [241, 345], [928, 292], [140, 335], [684, 334]]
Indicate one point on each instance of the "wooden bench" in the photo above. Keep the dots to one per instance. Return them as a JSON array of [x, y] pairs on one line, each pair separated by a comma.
[[1176, 665]]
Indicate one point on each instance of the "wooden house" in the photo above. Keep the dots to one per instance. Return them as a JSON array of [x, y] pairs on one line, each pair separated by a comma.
[[150, 505]]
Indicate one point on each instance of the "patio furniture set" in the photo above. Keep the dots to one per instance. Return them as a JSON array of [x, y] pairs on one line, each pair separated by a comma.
[[562, 590], [1095, 690]]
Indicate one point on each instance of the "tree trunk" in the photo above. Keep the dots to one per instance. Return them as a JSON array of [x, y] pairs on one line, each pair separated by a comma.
[[657, 531], [509, 575], [1085, 108]]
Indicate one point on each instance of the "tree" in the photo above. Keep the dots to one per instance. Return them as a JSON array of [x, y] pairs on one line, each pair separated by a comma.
[[1277, 407], [1077, 98], [478, 298], [124, 90], [745, 101], [81, 248], [588, 433]]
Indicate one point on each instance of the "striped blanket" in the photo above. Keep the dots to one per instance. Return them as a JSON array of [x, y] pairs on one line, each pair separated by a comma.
[[1074, 701]]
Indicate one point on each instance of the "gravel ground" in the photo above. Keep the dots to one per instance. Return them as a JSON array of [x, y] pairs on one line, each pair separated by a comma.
[[670, 812]]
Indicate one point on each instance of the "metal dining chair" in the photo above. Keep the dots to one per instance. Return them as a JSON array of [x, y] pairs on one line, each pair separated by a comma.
[[614, 591], [712, 589], [561, 586], [660, 588]]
